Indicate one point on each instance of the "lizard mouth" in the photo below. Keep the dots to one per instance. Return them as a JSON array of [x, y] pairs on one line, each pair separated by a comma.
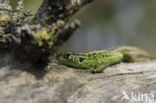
[[63, 57], [66, 56]]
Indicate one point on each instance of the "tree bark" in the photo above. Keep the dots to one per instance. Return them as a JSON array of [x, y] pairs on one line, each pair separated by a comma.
[[53, 10], [5, 6], [21, 34], [6, 1]]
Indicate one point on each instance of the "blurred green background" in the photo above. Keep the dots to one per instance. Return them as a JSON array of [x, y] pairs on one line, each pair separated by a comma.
[[107, 23]]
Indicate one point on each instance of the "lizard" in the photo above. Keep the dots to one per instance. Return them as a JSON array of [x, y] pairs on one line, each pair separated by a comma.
[[97, 61]]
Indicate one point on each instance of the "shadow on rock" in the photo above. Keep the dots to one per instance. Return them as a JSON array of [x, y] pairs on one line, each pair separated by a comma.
[[13, 64]]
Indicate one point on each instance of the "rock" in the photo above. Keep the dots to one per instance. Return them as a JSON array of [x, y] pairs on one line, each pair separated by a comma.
[[121, 83]]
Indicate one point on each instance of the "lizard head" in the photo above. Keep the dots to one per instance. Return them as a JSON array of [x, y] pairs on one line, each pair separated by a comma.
[[76, 60]]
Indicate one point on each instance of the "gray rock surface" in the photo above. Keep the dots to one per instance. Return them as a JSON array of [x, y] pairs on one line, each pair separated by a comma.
[[22, 83]]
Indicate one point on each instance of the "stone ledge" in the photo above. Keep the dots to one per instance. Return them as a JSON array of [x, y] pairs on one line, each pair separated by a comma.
[[21, 83]]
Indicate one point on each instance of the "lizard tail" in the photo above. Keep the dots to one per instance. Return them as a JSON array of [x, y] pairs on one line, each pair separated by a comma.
[[134, 54]]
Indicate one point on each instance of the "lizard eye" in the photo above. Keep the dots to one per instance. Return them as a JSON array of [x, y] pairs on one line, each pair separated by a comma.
[[81, 59], [67, 55]]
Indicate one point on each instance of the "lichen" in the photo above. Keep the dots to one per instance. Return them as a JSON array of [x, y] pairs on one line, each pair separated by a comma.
[[3, 19], [41, 37]]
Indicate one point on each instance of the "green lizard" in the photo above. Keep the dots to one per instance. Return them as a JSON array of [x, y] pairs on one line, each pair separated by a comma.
[[97, 61]]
